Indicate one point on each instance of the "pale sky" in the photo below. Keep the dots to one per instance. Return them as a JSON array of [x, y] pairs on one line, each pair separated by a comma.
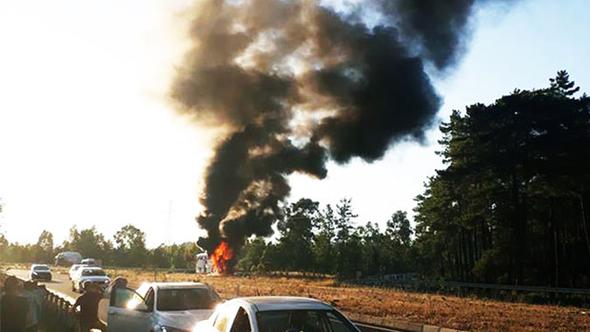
[[87, 136]]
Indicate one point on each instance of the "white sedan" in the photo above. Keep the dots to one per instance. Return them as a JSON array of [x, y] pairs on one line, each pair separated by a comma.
[[275, 314], [161, 307], [73, 269], [87, 274]]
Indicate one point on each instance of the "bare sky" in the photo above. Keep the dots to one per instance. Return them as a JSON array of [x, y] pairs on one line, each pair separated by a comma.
[[87, 136]]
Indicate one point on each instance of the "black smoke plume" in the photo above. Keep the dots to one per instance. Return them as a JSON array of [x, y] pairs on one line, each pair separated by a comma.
[[294, 83]]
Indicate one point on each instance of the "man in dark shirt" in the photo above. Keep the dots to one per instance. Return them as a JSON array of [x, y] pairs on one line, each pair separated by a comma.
[[14, 307], [88, 304]]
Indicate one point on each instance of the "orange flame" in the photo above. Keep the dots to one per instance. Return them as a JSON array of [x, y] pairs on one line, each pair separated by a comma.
[[221, 256]]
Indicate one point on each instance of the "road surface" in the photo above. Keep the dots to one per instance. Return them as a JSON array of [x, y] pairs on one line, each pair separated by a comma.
[[59, 284]]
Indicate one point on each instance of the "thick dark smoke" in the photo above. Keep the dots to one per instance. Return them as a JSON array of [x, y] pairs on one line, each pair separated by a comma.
[[293, 83]]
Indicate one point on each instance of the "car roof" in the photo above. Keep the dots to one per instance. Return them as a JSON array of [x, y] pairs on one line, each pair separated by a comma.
[[271, 303], [175, 285], [90, 268]]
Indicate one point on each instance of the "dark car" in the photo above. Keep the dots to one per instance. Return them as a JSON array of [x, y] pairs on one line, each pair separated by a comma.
[[40, 272]]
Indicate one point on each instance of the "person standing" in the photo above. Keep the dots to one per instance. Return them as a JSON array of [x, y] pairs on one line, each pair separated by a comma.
[[88, 304], [118, 298], [14, 308]]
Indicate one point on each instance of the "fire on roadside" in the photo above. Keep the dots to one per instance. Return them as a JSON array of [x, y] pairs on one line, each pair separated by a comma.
[[221, 257]]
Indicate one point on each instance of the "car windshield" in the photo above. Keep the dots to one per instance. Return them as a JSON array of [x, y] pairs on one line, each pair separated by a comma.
[[303, 320], [40, 268], [93, 273], [173, 299]]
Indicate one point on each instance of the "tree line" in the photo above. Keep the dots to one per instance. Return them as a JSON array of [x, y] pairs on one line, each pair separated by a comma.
[[127, 248], [327, 240], [511, 206]]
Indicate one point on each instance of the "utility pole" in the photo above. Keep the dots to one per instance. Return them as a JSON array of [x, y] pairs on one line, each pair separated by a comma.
[[169, 224]]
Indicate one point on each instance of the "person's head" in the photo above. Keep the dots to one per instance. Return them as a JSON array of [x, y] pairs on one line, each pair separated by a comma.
[[86, 286], [11, 285], [91, 287], [120, 282]]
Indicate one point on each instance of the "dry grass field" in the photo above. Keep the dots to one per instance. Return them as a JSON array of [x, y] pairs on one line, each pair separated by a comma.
[[384, 306]]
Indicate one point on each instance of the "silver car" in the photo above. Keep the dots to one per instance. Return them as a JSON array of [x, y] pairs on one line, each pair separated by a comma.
[[161, 307], [276, 313], [40, 272]]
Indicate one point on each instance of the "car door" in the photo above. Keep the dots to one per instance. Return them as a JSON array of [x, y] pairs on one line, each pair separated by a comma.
[[133, 314]]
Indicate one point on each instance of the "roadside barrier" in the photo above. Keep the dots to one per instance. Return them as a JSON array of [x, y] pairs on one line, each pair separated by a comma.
[[56, 313], [527, 294]]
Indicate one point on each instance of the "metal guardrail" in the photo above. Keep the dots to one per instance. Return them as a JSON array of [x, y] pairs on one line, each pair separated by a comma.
[[57, 314], [434, 285], [532, 289]]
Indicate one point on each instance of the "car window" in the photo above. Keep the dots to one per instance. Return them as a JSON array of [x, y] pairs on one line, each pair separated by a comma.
[[125, 298], [301, 320], [338, 323], [143, 290], [40, 268], [93, 272], [241, 322], [149, 299], [172, 299]]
